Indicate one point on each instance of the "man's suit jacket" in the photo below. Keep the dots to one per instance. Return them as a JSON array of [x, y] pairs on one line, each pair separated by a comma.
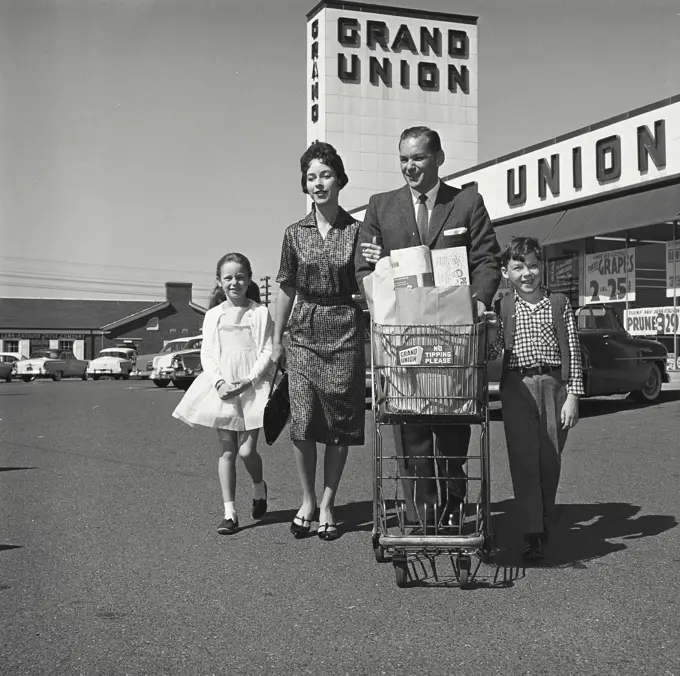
[[459, 218]]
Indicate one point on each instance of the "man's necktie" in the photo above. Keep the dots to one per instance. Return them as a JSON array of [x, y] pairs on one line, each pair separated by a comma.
[[421, 219]]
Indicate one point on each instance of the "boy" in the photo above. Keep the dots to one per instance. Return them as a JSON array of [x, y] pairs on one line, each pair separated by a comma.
[[541, 381]]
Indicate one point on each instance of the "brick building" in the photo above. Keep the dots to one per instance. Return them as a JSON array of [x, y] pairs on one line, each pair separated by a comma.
[[87, 326]]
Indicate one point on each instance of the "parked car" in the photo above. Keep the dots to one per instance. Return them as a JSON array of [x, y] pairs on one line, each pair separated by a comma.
[[116, 362], [6, 371], [186, 365], [10, 358], [144, 364], [614, 362], [55, 364], [162, 371]]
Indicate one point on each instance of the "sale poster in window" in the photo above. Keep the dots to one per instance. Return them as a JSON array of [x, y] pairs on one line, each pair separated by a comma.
[[610, 276], [672, 269], [648, 321]]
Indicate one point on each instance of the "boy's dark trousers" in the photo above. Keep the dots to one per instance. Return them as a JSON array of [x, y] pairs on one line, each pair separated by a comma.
[[531, 416]]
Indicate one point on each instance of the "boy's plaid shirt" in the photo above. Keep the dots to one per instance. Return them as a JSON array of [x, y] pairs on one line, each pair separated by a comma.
[[536, 340]]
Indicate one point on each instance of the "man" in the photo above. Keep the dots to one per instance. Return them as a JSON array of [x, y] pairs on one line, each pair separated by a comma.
[[428, 211]]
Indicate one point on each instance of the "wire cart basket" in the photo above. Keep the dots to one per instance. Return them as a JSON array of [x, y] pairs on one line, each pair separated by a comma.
[[430, 375]]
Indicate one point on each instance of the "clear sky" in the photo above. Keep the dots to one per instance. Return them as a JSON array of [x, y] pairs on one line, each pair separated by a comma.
[[141, 139]]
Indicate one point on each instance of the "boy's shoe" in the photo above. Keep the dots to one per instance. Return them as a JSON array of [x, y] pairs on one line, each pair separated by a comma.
[[260, 506], [228, 526], [533, 547]]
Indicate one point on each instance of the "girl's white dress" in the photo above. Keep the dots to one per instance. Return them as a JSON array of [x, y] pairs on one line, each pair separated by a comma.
[[237, 344]]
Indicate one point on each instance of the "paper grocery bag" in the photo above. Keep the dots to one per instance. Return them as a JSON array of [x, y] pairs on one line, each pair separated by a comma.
[[379, 292], [435, 305]]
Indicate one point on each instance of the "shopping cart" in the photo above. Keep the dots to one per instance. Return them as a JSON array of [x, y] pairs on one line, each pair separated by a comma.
[[430, 375]]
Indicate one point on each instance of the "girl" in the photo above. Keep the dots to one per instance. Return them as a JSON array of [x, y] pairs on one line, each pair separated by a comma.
[[231, 393]]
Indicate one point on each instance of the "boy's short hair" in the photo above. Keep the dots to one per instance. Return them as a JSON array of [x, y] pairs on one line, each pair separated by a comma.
[[520, 247]]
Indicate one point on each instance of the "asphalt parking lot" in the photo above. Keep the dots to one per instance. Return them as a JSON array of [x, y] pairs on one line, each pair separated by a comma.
[[110, 563]]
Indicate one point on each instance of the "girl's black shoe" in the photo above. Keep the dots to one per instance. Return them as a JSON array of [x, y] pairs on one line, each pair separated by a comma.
[[228, 526], [260, 506], [300, 527]]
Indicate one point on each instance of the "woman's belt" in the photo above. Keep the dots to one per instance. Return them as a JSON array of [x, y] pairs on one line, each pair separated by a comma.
[[327, 300]]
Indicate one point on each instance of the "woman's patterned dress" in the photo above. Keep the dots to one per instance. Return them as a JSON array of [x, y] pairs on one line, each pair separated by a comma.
[[325, 357]]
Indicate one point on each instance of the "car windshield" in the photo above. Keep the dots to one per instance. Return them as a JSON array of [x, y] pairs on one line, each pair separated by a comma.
[[598, 319], [39, 354], [193, 344], [174, 346], [113, 353]]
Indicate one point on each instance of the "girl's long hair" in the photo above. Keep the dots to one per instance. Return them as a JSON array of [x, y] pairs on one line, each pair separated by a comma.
[[217, 296]]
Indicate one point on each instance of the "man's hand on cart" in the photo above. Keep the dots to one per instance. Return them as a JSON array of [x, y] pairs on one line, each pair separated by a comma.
[[372, 252], [490, 318]]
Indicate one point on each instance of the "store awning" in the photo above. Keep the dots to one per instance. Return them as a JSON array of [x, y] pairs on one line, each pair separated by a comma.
[[613, 215], [538, 227]]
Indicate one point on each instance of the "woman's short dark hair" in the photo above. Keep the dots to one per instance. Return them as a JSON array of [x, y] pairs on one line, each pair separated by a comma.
[[518, 248], [217, 295], [326, 153], [434, 143]]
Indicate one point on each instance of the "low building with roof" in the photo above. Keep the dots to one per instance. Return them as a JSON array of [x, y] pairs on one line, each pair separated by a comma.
[[87, 326]]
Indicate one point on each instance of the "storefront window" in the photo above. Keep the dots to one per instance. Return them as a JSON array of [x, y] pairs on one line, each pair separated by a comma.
[[636, 272], [10, 346], [66, 345]]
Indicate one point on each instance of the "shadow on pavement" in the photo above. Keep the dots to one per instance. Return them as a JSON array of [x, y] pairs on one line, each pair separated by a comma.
[[6, 547], [356, 516], [14, 469], [596, 406], [582, 533]]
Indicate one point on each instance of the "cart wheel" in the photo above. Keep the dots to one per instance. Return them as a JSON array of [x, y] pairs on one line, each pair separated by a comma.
[[379, 551], [464, 571], [401, 572]]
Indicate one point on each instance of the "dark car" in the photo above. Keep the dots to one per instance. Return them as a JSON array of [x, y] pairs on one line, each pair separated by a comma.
[[614, 362], [185, 366]]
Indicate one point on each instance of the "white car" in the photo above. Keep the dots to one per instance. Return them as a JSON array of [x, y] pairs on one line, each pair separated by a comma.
[[162, 371], [11, 358], [55, 364], [117, 362]]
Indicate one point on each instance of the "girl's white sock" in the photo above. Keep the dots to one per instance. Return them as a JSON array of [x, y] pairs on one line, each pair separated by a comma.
[[259, 491], [230, 510]]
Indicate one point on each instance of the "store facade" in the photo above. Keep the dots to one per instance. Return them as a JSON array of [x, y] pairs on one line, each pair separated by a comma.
[[605, 203]]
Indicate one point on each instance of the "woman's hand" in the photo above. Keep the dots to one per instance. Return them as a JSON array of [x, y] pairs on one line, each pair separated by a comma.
[[372, 252], [279, 355], [227, 391], [569, 414]]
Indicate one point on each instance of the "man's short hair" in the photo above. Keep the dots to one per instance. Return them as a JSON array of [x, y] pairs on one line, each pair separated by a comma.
[[518, 248], [434, 143]]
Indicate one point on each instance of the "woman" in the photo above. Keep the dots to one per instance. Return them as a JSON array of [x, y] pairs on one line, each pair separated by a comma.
[[325, 357]]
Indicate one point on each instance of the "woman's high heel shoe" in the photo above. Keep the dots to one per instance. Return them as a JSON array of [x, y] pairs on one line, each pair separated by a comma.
[[300, 526]]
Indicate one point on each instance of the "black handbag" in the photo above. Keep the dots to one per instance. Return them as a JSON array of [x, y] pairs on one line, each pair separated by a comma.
[[277, 408]]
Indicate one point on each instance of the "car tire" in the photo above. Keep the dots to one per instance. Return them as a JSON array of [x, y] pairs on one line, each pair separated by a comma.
[[8, 379], [160, 383], [56, 376], [651, 389], [184, 386], [27, 379], [96, 377]]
